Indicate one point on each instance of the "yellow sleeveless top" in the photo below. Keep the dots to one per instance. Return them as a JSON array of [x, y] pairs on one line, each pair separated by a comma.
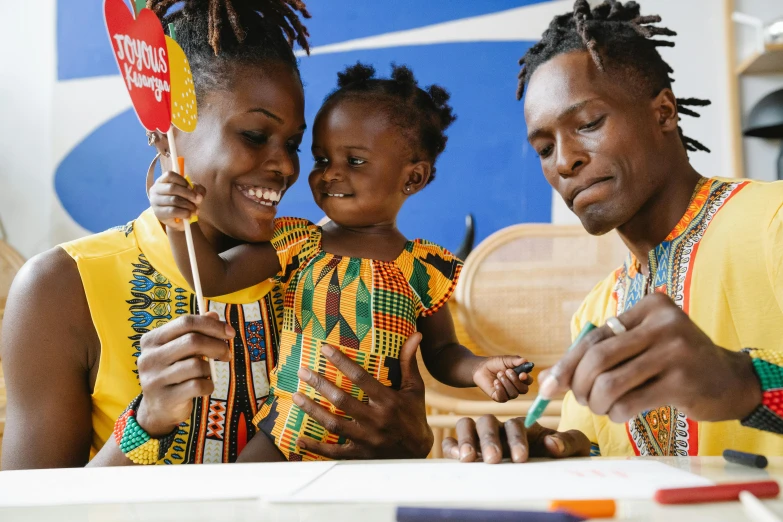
[[132, 286]]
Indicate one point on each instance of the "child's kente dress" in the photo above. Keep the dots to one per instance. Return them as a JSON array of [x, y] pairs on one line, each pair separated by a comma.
[[364, 307]]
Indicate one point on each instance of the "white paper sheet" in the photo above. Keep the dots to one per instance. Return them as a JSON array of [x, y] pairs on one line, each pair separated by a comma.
[[452, 482], [157, 483]]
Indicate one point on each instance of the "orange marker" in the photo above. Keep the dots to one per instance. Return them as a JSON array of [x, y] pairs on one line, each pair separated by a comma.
[[585, 508]]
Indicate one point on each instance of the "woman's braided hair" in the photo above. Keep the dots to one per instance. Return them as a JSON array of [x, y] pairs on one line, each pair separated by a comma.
[[617, 36], [423, 115], [218, 33]]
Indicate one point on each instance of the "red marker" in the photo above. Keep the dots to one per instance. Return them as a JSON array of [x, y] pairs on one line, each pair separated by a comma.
[[719, 493]]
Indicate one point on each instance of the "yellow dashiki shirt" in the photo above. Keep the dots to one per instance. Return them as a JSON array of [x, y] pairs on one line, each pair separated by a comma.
[[364, 307], [723, 265], [133, 286]]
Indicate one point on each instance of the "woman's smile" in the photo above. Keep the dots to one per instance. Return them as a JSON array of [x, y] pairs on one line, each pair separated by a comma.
[[262, 195]]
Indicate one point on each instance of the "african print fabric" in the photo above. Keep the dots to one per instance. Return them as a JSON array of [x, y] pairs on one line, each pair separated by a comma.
[[366, 308], [132, 286], [666, 431]]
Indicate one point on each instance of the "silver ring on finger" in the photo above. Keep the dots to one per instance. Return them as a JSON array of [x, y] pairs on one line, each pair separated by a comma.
[[616, 326]]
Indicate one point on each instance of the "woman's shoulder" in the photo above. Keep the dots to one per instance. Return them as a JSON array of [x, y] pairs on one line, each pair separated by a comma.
[[55, 264], [46, 285]]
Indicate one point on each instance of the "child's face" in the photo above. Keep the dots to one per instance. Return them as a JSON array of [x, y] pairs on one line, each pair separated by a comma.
[[362, 163]]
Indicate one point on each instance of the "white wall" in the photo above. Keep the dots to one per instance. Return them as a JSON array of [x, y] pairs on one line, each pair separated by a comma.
[[27, 77], [760, 155]]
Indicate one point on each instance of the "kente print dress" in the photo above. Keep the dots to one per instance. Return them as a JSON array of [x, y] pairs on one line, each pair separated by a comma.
[[367, 308]]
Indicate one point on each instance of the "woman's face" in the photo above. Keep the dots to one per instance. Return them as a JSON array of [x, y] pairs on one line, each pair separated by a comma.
[[244, 149]]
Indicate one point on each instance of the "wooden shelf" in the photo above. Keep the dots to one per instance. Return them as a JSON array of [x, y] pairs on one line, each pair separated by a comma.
[[768, 62]]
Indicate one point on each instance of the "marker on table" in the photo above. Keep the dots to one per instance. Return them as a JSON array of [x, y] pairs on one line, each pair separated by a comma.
[[755, 509], [745, 459], [422, 514], [718, 493], [541, 402], [585, 508]]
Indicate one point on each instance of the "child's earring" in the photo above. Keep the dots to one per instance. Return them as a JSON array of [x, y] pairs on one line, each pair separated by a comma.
[[408, 189]]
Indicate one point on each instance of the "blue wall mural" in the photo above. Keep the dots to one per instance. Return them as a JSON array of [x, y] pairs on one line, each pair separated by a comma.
[[487, 168]]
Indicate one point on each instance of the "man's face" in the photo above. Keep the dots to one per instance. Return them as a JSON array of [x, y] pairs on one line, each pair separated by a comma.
[[599, 145]]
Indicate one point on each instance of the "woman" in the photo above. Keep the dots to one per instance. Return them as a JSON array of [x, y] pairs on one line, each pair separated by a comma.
[[93, 323]]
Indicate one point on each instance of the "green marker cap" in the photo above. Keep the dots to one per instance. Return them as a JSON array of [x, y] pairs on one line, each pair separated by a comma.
[[540, 404]]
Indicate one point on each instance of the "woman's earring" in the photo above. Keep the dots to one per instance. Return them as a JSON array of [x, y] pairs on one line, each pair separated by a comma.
[[151, 174], [408, 189], [152, 139]]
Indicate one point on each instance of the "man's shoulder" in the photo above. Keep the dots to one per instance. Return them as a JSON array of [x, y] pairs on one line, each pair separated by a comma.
[[741, 214], [752, 197]]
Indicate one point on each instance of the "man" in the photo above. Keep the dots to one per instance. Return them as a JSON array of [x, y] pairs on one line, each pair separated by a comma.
[[691, 364]]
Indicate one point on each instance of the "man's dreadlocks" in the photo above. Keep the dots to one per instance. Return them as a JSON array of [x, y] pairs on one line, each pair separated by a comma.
[[217, 33], [617, 37]]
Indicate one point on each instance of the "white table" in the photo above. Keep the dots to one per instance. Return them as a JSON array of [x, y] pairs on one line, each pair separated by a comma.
[[712, 468]]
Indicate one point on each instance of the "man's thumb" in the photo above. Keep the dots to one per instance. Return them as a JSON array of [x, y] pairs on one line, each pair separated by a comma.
[[409, 368], [567, 444]]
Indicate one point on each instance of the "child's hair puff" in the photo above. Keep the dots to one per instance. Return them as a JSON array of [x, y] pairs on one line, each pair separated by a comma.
[[422, 114]]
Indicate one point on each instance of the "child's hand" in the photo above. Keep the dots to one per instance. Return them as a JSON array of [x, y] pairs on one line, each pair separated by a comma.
[[174, 201], [496, 377]]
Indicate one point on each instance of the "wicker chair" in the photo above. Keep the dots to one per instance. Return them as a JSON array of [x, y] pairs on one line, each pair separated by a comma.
[[10, 263], [517, 293]]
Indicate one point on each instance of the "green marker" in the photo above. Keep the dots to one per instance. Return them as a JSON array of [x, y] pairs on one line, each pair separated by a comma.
[[540, 404]]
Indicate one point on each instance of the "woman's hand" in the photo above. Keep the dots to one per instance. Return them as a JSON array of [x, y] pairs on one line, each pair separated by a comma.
[[393, 425], [172, 369], [496, 377], [174, 200]]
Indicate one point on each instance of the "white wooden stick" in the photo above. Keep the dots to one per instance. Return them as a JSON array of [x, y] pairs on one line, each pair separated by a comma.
[[202, 308], [755, 509]]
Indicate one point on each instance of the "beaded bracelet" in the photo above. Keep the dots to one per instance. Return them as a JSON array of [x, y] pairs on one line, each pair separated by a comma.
[[136, 443], [768, 366]]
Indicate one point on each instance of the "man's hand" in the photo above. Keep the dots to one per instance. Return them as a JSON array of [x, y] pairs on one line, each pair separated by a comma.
[[392, 425], [491, 441], [662, 359]]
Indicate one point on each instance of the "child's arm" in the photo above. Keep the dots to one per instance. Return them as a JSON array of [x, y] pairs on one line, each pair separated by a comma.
[[243, 266], [454, 365]]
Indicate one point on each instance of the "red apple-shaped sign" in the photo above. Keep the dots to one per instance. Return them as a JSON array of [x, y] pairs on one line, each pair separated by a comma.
[[140, 49]]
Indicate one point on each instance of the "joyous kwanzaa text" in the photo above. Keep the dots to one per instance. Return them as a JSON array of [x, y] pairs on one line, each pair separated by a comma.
[[139, 57]]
